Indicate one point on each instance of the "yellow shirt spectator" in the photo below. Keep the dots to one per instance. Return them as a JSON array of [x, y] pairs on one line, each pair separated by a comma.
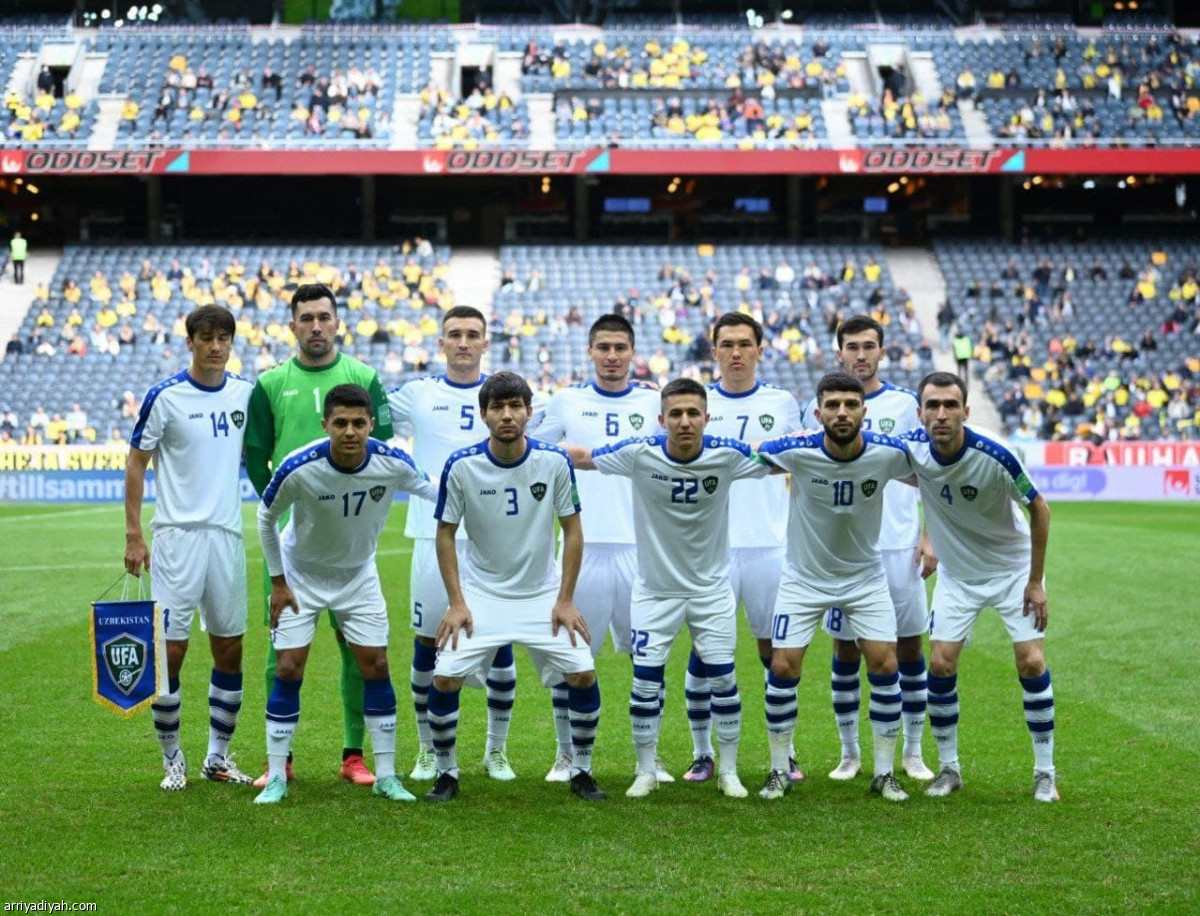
[[106, 317], [129, 110], [73, 100], [178, 63]]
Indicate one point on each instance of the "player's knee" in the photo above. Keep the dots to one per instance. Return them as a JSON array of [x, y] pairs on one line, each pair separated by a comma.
[[447, 684], [288, 668], [582, 679], [785, 665], [908, 648], [1030, 660], [375, 667], [227, 654], [845, 650], [942, 664]]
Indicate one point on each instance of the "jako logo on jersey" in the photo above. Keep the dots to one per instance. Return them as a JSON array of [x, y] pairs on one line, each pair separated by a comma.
[[591, 413], [766, 421], [487, 492], [636, 420], [238, 418], [195, 416], [659, 477], [438, 407], [710, 484], [969, 492], [538, 490], [325, 496], [887, 424], [125, 658], [377, 493], [869, 487], [821, 480]]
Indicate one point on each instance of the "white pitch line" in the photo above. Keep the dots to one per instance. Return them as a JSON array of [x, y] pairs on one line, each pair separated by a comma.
[[54, 516], [396, 552]]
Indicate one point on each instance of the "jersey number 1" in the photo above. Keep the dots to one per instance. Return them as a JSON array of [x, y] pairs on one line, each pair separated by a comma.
[[220, 425]]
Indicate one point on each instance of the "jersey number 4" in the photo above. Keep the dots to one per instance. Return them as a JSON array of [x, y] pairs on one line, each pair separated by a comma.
[[220, 425]]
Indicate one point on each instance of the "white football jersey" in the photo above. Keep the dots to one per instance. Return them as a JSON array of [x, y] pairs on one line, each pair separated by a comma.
[[444, 417], [196, 435], [589, 416], [758, 509], [892, 411], [836, 506], [971, 506], [337, 515], [509, 511], [681, 511]]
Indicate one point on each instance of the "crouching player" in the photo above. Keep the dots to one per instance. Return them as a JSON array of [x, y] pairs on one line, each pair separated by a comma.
[[340, 490]]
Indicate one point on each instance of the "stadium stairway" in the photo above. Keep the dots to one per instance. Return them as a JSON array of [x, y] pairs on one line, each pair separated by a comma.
[[15, 300], [975, 125], [917, 271], [474, 277], [837, 125]]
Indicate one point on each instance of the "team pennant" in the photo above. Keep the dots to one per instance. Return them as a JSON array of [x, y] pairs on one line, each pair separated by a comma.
[[129, 655]]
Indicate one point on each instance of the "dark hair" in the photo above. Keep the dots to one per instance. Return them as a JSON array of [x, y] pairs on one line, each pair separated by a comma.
[[504, 385], [348, 396], [210, 317], [734, 318], [683, 386], [856, 324], [839, 381], [464, 311], [311, 292], [941, 379], [616, 323]]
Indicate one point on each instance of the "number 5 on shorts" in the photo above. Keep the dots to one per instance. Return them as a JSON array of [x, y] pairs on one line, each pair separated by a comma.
[[417, 616]]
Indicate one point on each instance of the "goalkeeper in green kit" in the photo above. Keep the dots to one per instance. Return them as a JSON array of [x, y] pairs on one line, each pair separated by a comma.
[[285, 413]]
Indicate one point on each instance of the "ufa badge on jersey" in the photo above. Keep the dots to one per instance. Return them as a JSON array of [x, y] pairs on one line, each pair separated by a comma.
[[129, 655]]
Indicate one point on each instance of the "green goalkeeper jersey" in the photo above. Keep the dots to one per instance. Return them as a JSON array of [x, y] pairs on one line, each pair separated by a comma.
[[286, 407]]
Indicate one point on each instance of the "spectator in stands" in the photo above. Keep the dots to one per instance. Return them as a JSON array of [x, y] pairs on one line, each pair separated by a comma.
[[75, 422], [18, 249], [963, 351], [14, 347]]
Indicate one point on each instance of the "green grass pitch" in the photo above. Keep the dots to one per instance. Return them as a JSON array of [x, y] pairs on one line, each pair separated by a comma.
[[83, 818]]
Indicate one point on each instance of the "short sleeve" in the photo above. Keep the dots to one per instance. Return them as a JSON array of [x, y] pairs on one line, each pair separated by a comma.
[[618, 459], [566, 494], [449, 506], [151, 423]]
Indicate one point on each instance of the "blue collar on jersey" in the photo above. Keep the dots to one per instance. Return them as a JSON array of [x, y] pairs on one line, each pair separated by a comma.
[[671, 458], [613, 394], [445, 378], [738, 394], [326, 448], [834, 457], [968, 438], [186, 376], [504, 464]]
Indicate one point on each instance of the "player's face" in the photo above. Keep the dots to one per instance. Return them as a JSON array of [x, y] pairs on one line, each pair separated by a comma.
[[736, 352], [464, 341], [860, 354], [943, 414], [684, 417], [611, 353], [506, 418], [315, 325], [841, 414], [210, 349], [348, 429]]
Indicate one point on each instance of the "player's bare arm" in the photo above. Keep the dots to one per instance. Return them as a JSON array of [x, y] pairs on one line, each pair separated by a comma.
[[1035, 591], [926, 556], [581, 457], [137, 554], [458, 615], [281, 597], [565, 613]]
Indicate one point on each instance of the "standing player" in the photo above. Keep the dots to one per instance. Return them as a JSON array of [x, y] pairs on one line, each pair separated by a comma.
[[838, 478], [681, 487], [286, 413], [508, 490], [442, 410], [907, 560], [192, 426], [745, 409], [991, 556], [340, 490], [592, 414]]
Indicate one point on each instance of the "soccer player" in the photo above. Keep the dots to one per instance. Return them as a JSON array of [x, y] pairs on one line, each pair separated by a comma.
[[601, 412], [508, 490], [907, 556], [286, 410], [743, 408], [990, 556], [191, 425], [443, 413], [340, 490], [681, 487], [838, 479]]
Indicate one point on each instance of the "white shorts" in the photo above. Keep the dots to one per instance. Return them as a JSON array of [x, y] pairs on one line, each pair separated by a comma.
[[956, 606], [755, 573], [428, 601], [199, 569], [603, 591], [907, 590], [497, 622], [353, 597], [655, 622], [866, 606]]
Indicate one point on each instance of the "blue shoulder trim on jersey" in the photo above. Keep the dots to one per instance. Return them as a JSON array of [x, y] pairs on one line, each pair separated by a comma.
[[543, 446], [292, 464], [883, 439], [476, 449], [916, 435], [633, 440], [647, 386], [240, 378], [716, 386], [728, 442], [999, 452], [148, 401], [379, 447], [608, 394], [786, 443]]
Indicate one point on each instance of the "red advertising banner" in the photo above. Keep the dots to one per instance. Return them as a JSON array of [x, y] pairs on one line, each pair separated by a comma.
[[897, 160], [1124, 454]]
